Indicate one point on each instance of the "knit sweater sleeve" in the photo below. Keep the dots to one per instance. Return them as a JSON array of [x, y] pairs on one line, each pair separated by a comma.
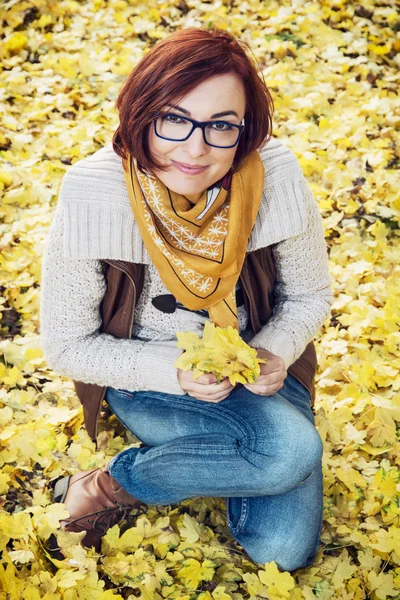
[[70, 297], [303, 295]]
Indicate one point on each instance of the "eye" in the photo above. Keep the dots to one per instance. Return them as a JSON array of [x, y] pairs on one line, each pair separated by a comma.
[[222, 126], [169, 118]]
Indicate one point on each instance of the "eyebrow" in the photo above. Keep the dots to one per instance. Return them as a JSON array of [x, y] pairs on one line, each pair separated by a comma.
[[220, 114]]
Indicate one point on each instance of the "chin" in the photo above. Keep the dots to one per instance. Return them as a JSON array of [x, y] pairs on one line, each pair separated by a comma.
[[188, 193], [186, 190]]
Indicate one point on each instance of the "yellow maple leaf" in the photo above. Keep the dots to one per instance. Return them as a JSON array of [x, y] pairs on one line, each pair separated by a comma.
[[130, 539], [253, 584], [91, 586], [344, 570], [15, 42], [192, 572], [9, 581], [109, 595], [21, 556], [167, 540], [368, 560], [47, 519], [391, 512], [187, 339], [382, 430], [133, 566], [388, 541], [4, 483], [382, 585], [220, 351], [16, 525], [238, 378], [205, 596], [109, 541], [279, 583], [190, 529], [13, 377], [351, 478], [220, 594], [67, 578], [385, 482]]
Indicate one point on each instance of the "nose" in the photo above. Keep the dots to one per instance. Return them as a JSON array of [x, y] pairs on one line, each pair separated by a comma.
[[196, 145]]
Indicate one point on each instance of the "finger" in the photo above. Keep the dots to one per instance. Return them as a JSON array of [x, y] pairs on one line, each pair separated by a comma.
[[225, 384], [207, 378], [262, 385], [263, 390], [271, 368], [219, 396], [210, 389], [268, 386], [256, 391], [268, 380], [211, 394], [252, 388], [213, 399]]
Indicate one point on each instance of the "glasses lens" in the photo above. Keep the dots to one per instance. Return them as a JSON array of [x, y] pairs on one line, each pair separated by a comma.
[[178, 128], [221, 134], [173, 127]]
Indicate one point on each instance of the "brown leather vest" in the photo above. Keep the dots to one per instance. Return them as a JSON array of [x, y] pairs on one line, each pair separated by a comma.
[[124, 285]]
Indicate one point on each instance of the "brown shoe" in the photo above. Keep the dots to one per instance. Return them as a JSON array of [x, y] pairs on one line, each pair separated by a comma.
[[95, 502]]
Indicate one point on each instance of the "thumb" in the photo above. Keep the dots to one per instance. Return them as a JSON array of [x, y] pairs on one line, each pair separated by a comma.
[[207, 378]]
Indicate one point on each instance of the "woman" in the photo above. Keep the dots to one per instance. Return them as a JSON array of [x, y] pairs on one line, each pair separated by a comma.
[[194, 212]]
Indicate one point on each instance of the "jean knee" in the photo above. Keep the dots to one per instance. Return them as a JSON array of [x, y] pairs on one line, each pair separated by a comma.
[[295, 440], [302, 453], [284, 561], [288, 554], [316, 447]]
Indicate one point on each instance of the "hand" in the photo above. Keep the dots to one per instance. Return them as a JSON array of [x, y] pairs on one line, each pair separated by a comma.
[[205, 387], [272, 374]]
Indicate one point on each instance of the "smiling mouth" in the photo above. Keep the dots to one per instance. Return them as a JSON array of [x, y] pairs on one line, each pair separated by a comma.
[[189, 168]]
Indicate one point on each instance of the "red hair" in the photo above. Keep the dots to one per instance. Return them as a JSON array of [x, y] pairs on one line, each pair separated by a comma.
[[181, 62]]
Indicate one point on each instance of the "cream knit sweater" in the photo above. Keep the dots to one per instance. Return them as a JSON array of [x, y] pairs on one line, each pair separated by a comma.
[[93, 220]]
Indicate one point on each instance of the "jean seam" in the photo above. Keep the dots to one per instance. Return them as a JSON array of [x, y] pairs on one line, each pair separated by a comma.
[[228, 516], [243, 516], [318, 542], [312, 554], [244, 513]]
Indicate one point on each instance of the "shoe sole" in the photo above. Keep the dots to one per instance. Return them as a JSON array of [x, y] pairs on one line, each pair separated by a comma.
[[61, 489]]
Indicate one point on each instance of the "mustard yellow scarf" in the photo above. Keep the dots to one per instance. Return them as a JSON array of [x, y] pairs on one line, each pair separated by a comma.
[[199, 250]]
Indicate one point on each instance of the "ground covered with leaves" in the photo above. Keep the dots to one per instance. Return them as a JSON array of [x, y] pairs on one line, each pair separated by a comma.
[[332, 67]]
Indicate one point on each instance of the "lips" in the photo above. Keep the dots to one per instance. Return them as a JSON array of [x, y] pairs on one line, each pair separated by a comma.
[[188, 169]]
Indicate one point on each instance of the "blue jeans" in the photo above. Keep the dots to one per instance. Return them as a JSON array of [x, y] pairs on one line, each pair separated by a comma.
[[262, 453]]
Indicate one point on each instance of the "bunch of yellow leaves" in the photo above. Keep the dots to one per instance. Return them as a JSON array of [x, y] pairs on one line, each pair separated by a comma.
[[220, 351]]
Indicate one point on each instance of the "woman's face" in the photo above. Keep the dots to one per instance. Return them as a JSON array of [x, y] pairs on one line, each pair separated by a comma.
[[219, 94]]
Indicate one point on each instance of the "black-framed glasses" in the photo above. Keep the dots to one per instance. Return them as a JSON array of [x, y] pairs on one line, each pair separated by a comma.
[[220, 134]]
